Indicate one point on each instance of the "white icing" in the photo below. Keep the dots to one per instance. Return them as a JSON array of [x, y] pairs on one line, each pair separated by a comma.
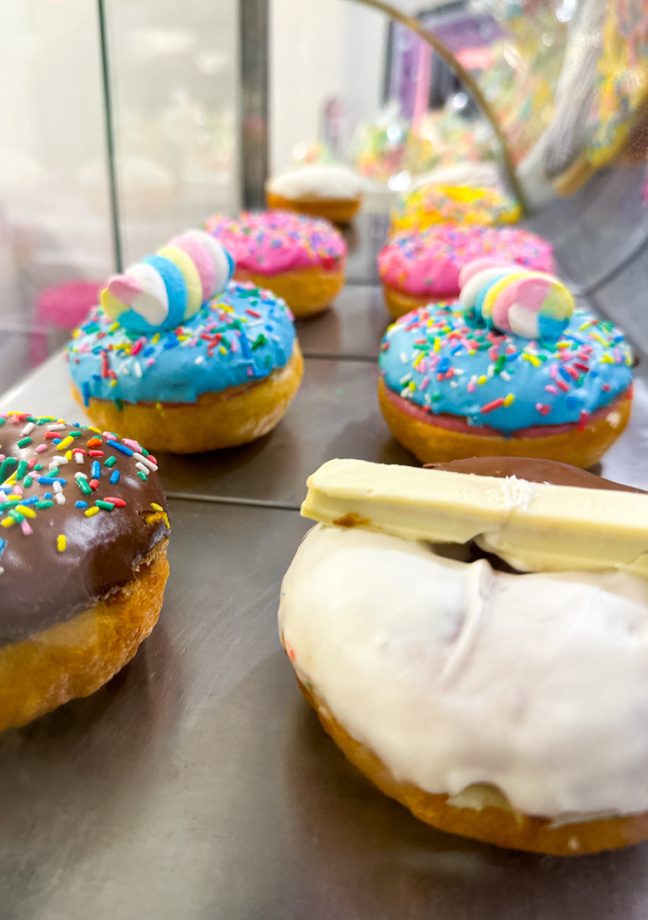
[[317, 181], [456, 674]]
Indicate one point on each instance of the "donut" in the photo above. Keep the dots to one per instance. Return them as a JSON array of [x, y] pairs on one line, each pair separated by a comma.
[[324, 190], [425, 205], [417, 268], [225, 376], [83, 542], [453, 385], [502, 703], [300, 259]]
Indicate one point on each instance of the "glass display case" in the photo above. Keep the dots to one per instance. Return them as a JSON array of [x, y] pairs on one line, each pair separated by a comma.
[[196, 783]]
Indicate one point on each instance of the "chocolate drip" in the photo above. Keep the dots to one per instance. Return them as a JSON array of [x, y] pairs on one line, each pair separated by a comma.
[[545, 471], [44, 579]]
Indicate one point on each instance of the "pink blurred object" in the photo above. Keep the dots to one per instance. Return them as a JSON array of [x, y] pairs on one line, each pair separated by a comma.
[[60, 307], [66, 305]]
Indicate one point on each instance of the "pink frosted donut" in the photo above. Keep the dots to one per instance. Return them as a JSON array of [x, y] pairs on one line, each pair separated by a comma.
[[417, 268], [301, 259]]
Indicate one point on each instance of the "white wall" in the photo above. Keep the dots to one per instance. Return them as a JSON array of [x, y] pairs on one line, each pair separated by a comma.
[[321, 49]]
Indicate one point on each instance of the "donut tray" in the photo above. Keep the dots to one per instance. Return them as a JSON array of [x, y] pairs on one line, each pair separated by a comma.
[[198, 783]]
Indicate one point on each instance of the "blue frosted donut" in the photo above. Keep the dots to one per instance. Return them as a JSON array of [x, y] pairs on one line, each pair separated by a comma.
[[239, 337]]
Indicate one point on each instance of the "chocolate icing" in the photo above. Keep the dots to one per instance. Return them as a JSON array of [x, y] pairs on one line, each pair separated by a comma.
[[549, 471], [39, 584]]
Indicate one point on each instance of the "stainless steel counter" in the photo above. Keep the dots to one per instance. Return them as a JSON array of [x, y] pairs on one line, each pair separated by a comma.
[[198, 784]]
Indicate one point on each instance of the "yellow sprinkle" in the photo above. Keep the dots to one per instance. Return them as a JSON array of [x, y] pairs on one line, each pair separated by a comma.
[[95, 430], [607, 359], [8, 522], [600, 340], [26, 510], [508, 399], [65, 443], [61, 543], [536, 362], [562, 344], [482, 379], [156, 338], [68, 455], [223, 350], [158, 516], [90, 512], [437, 344], [156, 507]]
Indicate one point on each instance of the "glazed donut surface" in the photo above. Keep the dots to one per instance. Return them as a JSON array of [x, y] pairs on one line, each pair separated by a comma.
[[273, 242], [455, 674], [80, 511], [238, 338]]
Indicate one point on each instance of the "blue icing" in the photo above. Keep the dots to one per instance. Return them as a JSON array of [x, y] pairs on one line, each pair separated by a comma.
[[462, 367], [240, 337]]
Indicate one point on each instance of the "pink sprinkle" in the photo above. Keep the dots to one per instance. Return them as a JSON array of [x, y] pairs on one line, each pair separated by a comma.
[[41, 448], [543, 409], [26, 529], [137, 347], [550, 388]]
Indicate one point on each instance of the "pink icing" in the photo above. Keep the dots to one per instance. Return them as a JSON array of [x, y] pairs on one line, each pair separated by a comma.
[[270, 242], [201, 259], [428, 264]]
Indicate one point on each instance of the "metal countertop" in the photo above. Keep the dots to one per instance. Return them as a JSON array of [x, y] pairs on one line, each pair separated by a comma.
[[199, 784]]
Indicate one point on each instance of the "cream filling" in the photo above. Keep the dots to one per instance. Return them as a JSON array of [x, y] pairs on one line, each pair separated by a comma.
[[457, 675]]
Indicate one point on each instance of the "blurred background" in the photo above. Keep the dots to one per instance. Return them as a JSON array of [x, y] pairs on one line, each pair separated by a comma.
[[125, 121]]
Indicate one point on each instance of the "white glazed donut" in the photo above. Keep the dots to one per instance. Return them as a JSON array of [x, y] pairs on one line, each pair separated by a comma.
[[505, 706]]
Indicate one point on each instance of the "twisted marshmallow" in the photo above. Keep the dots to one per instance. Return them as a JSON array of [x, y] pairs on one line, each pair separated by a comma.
[[164, 290], [517, 300]]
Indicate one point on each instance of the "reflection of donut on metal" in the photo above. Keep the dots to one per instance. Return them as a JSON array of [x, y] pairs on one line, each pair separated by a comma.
[[516, 300], [164, 290]]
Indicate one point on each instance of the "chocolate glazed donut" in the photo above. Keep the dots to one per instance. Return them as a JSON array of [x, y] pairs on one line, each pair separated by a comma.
[[83, 534]]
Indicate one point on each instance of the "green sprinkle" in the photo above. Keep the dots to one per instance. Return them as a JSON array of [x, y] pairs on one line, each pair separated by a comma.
[[105, 506], [110, 461], [24, 442], [23, 466]]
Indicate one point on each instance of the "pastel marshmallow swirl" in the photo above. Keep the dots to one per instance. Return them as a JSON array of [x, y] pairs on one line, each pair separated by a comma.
[[167, 288], [531, 304]]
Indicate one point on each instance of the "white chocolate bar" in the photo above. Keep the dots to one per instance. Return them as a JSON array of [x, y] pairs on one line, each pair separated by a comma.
[[532, 526]]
